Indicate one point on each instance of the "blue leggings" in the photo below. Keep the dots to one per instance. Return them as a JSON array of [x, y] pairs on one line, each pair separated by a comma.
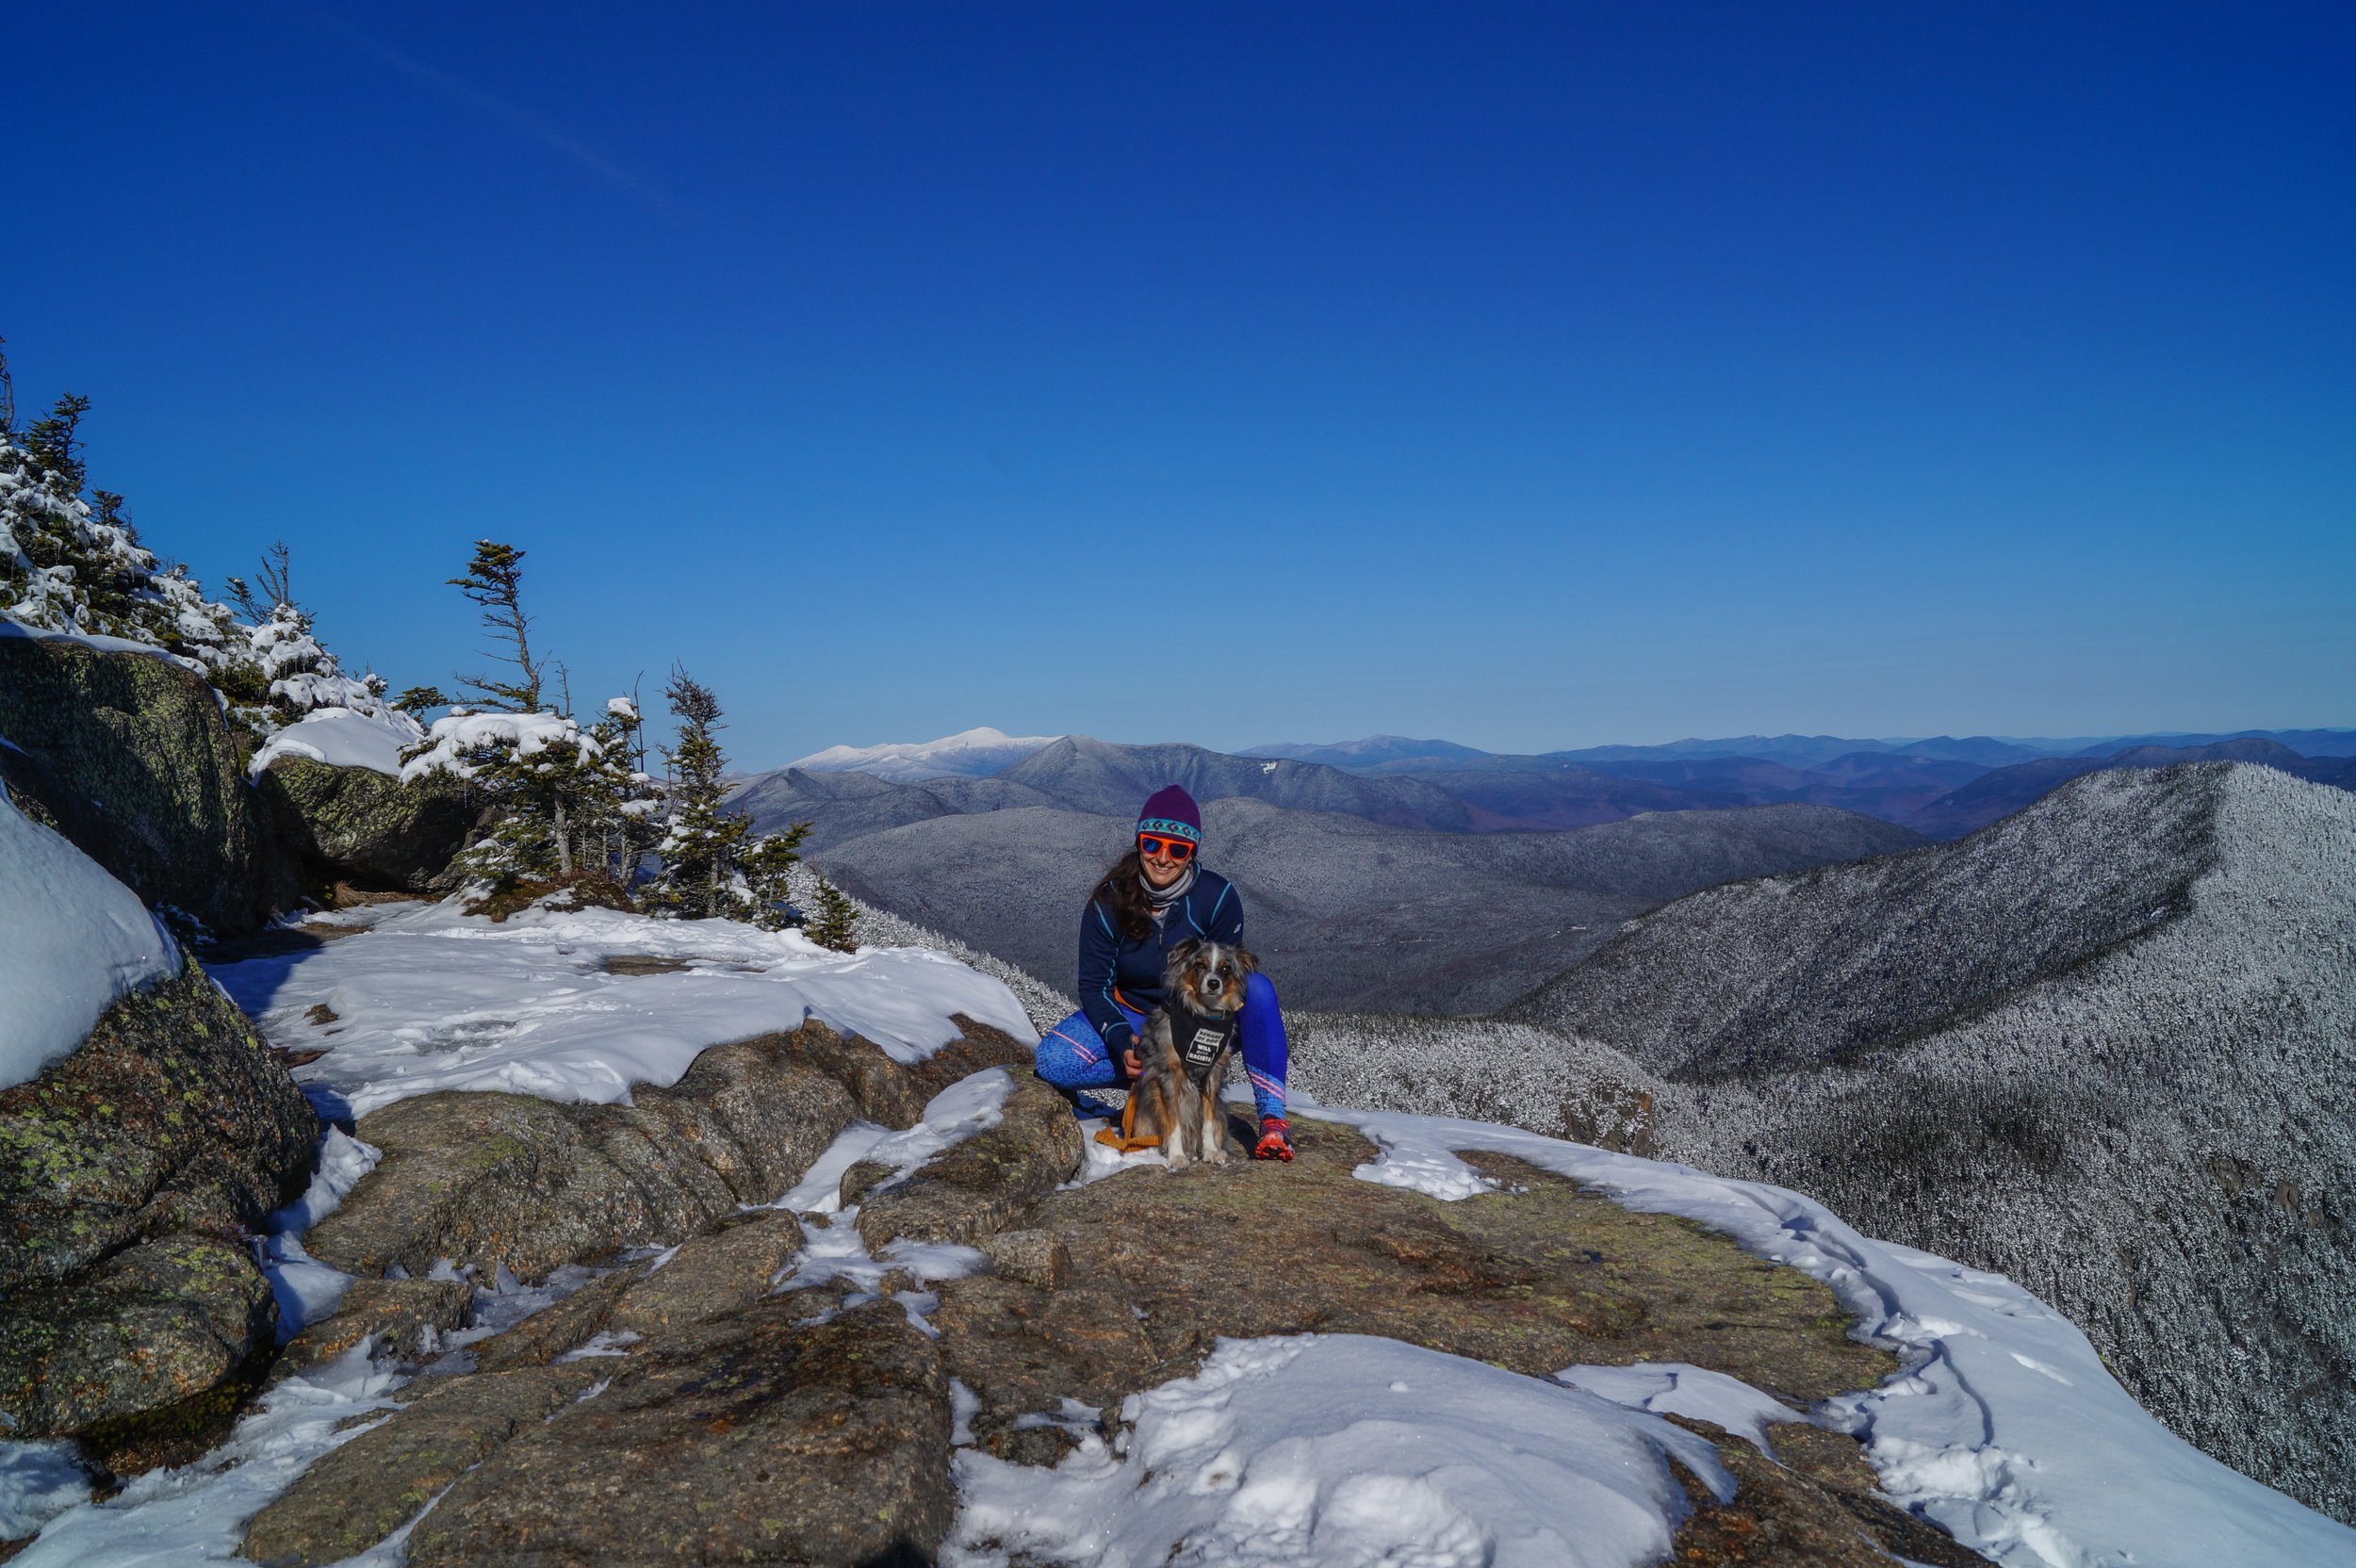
[[1071, 1055]]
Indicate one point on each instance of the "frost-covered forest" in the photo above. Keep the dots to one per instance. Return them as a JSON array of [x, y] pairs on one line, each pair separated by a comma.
[[2106, 1047]]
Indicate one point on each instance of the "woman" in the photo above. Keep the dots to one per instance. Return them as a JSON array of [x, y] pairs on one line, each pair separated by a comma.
[[1155, 897]]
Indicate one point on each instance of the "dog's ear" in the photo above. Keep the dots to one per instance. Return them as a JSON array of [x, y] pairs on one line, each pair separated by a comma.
[[1245, 960], [1183, 955]]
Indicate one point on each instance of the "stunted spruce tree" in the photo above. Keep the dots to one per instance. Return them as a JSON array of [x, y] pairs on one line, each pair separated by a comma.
[[494, 580], [569, 805], [712, 864]]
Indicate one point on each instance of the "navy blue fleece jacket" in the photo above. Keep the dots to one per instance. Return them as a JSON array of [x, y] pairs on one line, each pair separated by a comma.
[[1108, 961]]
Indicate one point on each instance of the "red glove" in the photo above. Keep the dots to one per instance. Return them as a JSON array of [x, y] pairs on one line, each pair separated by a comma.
[[1275, 1139]]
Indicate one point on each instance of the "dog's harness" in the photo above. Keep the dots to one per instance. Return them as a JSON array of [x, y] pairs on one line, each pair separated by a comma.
[[1201, 1039]]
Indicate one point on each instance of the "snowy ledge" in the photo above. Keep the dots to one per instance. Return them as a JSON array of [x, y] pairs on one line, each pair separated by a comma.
[[427, 999]]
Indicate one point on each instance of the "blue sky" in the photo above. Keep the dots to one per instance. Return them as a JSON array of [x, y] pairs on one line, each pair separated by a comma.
[[1534, 376]]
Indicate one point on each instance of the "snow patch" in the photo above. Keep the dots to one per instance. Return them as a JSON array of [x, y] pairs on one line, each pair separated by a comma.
[[197, 1512], [307, 1289], [1347, 1451], [41, 1481], [1675, 1388]]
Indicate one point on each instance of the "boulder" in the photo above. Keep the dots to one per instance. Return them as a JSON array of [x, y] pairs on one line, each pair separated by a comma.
[[131, 758], [763, 1437], [172, 1117], [359, 826], [894, 1095], [503, 1179], [151, 1326], [710, 1275], [984, 1183]]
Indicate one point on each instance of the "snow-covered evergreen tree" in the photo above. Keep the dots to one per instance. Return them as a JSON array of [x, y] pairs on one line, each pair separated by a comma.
[[712, 865], [838, 918], [533, 768], [617, 820], [76, 565], [303, 676], [73, 564]]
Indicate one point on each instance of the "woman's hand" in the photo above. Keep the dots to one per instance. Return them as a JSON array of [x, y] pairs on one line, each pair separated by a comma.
[[1129, 1060]]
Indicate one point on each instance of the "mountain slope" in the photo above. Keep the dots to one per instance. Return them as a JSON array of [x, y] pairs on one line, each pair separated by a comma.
[[2106, 1047], [1999, 794], [844, 805], [1346, 912]]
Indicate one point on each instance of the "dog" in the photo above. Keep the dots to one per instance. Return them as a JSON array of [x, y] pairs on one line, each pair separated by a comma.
[[1187, 1044]]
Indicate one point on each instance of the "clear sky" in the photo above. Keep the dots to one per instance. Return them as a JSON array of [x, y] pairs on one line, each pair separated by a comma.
[[1533, 376]]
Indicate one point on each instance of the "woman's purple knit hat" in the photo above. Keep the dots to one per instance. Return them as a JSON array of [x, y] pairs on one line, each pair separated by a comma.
[[1172, 810]]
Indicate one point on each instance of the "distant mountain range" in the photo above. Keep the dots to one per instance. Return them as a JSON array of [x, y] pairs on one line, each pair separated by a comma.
[[2102, 1047], [1371, 891], [1943, 786]]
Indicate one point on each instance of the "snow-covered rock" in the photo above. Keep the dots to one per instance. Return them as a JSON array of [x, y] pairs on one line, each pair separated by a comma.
[[343, 738], [72, 941], [2004, 1424], [1333, 1451]]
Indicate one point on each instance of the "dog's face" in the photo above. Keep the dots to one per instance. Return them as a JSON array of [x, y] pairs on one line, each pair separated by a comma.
[[1208, 976]]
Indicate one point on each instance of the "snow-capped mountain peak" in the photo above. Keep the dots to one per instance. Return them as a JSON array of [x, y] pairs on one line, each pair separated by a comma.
[[970, 753]]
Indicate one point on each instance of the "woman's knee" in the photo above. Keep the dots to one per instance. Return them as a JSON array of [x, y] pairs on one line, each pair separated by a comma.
[[1258, 990], [1070, 1056]]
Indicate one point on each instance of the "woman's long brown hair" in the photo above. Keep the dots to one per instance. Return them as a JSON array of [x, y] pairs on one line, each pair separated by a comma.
[[1122, 891]]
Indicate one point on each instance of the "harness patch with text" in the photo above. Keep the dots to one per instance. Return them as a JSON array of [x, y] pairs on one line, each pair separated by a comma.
[[1200, 1041]]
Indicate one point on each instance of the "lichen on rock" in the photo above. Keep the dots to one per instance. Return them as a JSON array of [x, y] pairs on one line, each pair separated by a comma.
[[171, 1117], [132, 758], [377, 833]]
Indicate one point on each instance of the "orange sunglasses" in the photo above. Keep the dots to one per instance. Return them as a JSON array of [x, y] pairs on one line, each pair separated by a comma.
[[1167, 848]]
